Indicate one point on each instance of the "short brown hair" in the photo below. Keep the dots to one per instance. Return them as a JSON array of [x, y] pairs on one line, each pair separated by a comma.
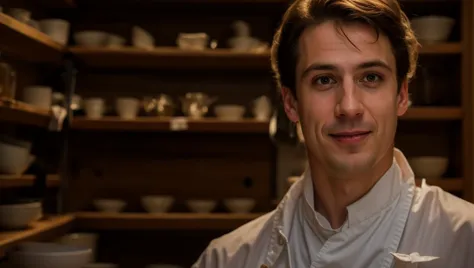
[[385, 16]]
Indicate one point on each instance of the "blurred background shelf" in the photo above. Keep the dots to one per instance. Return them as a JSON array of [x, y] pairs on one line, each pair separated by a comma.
[[16, 181], [165, 124], [175, 58], [446, 48], [27, 43], [175, 221], [170, 58], [48, 228], [433, 113], [24, 114]]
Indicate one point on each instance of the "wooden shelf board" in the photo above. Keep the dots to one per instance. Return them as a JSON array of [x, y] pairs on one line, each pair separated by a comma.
[[26, 42], [16, 181], [25, 114], [433, 113], [176, 221], [444, 48], [447, 184], [164, 124], [169, 58], [48, 228]]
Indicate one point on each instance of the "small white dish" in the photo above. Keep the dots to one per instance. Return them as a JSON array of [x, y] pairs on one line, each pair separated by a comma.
[[192, 41], [229, 112], [429, 167], [91, 38], [110, 205], [239, 205], [157, 204], [201, 205]]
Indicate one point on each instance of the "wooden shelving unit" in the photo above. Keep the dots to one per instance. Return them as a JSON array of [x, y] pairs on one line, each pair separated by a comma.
[[169, 58], [171, 124], [433, 113], [441, 49], [48, 228], [174, 221], [17, 181], [175, 58], [26, 42], [24, 114]]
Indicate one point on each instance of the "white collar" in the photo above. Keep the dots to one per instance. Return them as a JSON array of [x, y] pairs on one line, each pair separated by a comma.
[[380, 196], [283, 217]]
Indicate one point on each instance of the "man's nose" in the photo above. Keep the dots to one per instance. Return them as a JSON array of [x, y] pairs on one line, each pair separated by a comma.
[[348, 102]]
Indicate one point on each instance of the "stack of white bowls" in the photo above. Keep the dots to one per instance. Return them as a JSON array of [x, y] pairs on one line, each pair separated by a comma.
[[48, 255]]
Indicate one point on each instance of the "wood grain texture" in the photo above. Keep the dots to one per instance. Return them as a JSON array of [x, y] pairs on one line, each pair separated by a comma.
[[49, 228], [22, 41]]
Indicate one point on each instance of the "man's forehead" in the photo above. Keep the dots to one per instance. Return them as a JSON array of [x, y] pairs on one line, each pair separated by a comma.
[[350, 43]]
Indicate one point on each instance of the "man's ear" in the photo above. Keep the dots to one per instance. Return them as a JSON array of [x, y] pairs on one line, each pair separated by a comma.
[[290, 104], [403, 99]]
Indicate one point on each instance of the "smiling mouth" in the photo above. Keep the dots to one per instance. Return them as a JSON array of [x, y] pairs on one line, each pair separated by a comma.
[[350, 137]]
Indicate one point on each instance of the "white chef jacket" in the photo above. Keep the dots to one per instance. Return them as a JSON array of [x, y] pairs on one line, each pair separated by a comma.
[[396, 224]]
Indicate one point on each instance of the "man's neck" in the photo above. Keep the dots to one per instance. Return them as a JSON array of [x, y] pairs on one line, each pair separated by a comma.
[[333, 194]]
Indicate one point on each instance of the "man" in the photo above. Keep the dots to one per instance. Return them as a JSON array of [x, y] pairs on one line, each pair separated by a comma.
[[343, 68]]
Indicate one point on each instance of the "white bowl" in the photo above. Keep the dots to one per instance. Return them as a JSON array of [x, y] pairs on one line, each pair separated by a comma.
[[47, 255], [19, 216], [432, 29], [114, 40], [86, 240], [20, 14], [40, 96], [57, 29], [18, 159], [201, 206], [192, 41], [109, 205], [229, 112], [157, 204], [239, 205], [91, 38], [429, 166]]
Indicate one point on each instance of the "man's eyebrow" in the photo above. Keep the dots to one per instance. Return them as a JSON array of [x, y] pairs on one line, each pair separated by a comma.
[[374, 63], [318, 67], [331, 67]]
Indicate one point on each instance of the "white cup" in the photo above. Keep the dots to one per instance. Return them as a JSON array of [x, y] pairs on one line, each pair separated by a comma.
[[94, 108], [40, 96], [20, 14], [127, 108], [57, 29]]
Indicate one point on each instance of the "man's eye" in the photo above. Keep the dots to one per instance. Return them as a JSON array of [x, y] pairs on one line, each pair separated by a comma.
[[324, 80], [372, 78]]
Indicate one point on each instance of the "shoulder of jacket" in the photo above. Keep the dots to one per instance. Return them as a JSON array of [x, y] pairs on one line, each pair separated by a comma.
[[245, 235], [444, 206]]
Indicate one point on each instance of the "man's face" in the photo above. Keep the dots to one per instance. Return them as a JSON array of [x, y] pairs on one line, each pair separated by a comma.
[[347, 101]]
